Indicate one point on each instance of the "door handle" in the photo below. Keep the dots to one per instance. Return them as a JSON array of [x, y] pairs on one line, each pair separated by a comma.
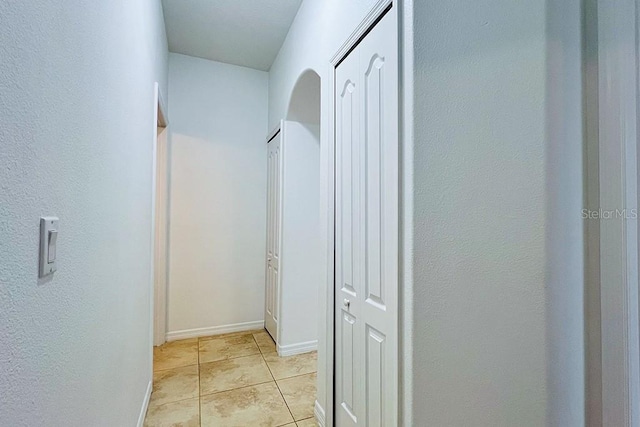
[[346, 303]]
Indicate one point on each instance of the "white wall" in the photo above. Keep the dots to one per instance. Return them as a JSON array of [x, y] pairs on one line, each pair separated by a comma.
[[564, 191], [300, 271], [76, 129], [218, 115], [498, 255]]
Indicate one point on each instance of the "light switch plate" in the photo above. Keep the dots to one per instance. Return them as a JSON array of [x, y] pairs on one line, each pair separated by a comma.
[[48, 245]]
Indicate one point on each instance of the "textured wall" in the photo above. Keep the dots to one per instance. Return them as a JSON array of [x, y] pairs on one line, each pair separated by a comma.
[[300, 271], [479, 214], [218, 116], [498, 247], [565, 241], [76, 128]]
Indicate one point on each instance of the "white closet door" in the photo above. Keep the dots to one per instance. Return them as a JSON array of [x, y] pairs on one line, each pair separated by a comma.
[[367, 231], [349, 396], [274, 221]]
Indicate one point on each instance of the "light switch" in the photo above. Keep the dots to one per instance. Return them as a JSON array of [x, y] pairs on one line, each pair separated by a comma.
[[53, 237], [48, 245]]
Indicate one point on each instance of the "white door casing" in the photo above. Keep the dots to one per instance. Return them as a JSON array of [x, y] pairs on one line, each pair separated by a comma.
[[274, 225], [160, 220], [366, 244], [162, 237], [612, 81]]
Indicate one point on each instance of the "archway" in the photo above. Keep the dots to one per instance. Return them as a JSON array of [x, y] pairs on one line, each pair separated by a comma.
[[304, 104]]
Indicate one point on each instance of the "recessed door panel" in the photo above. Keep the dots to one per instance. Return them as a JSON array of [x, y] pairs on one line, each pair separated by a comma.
[[374, 158], [347, 380], [375, 376], [349, 123]]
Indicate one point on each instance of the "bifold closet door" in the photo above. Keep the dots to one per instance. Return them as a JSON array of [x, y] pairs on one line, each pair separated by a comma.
[[274, 222], [366, 325]]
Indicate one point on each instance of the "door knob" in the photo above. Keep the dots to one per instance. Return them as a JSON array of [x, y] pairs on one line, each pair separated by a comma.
[[346, 303]]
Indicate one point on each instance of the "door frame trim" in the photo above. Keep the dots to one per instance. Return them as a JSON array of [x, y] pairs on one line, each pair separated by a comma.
[[379, 9], [159, 304], [612, 330]]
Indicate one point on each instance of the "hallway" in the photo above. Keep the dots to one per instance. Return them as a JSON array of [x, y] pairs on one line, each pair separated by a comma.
[[231, 380], [429, 209]]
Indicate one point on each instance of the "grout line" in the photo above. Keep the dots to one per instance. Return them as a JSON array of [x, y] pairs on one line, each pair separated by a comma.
[[175, 401], [265, 361], [238, 388], [296, 376], [278, 387], [286, 404], [175, 367], [228, 358], [229, 334]]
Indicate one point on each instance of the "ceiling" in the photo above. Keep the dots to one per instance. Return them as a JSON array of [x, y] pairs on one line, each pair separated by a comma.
[[240, 32]]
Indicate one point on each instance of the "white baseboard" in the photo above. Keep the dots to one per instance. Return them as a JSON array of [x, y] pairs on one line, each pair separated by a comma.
[[293, 349], [214, 330], [145, 405], [319, 413]]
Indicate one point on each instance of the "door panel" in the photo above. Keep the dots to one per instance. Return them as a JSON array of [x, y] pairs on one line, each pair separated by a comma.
[[348, 396], [348, 383], [379, 68], [367, 230]]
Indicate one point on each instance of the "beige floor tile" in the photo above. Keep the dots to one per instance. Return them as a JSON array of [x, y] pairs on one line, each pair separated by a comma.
[[255, 406], [185, 413], [233, 373], [175, 354], [175, 384], [309, 422], [265, 342], [227, 347], [284, 367], [300, 395]]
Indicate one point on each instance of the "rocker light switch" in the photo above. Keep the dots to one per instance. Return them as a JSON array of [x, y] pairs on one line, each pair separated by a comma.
[[53, 237], [48, 245]]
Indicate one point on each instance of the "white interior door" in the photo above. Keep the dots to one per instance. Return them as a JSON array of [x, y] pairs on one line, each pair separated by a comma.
[[366, 325], [274, 221]]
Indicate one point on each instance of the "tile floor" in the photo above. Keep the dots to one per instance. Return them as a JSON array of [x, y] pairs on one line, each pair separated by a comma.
[[233, 380]]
